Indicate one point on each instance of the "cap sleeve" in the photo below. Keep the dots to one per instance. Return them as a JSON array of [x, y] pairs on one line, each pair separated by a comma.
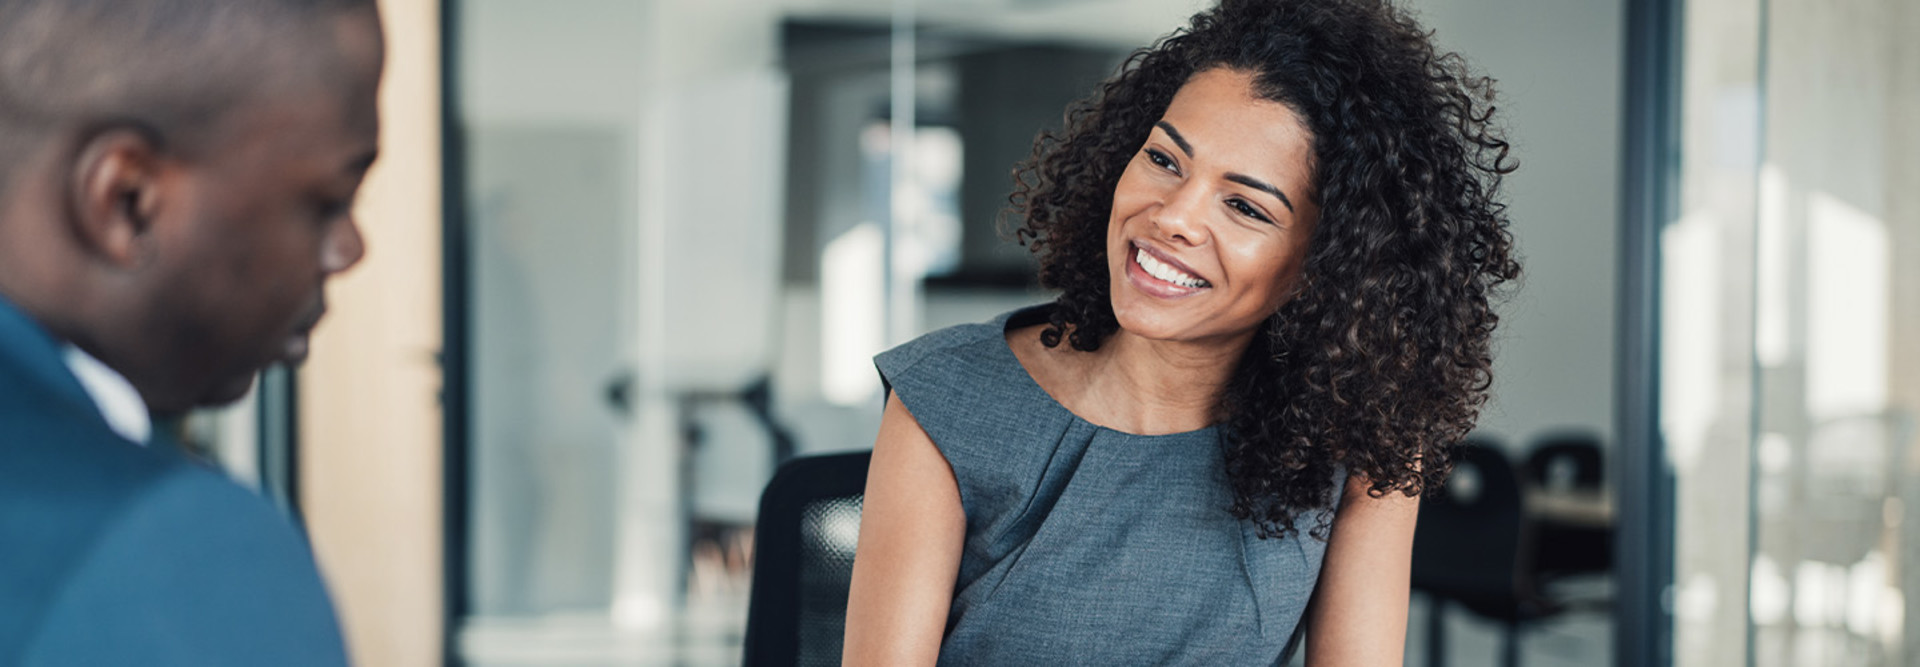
[[975, 402]]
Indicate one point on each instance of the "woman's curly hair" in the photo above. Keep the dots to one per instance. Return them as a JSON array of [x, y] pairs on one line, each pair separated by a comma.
[[1381, 361]]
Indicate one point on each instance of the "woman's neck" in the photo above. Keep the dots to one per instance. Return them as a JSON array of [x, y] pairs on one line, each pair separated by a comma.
[[1137, 385]]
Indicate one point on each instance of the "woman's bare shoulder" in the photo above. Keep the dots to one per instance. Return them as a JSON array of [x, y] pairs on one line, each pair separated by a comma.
[[1048, 366], [1026, 345]]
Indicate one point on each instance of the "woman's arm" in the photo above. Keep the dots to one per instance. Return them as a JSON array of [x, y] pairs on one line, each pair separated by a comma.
[[911, 530], [1359, 613]]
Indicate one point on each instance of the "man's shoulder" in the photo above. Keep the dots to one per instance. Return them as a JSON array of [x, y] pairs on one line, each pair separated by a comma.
[[90, 523], [192, 570], [64, 472], [64, 479], [58, 461], [65, 483]]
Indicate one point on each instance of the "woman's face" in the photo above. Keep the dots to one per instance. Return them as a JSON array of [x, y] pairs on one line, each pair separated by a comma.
[[1211, 218]]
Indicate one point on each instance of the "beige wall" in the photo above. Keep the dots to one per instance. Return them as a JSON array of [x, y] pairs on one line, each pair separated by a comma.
[[370, 436]]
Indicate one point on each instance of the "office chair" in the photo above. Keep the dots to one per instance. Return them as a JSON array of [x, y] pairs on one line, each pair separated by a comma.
[[1470, 548], [803, 560], [1569, 462]]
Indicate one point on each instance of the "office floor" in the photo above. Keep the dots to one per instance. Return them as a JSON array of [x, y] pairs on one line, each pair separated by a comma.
[[1575, 639], [707, 634]]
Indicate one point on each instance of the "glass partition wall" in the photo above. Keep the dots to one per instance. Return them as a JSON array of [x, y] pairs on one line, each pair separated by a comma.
[[1837, 314], [1791, 302]]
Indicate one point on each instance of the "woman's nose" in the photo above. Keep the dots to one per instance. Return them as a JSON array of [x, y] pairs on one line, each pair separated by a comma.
[[1182, 215]]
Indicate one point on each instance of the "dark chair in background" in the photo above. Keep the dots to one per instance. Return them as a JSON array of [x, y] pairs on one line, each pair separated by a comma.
[[1569, 464], [1567, 460], [803, 560], [1471, 548]]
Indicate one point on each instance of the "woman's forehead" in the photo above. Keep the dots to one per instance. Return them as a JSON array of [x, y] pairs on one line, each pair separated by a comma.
[[1221, 120]]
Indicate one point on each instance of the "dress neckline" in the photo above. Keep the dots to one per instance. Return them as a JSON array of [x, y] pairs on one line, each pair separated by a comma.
[[1037, 314]]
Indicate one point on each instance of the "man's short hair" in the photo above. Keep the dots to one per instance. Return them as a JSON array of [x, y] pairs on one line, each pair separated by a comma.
[[172, 68]]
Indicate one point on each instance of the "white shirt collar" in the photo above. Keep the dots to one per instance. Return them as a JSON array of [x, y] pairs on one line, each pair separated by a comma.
[[119, 402]]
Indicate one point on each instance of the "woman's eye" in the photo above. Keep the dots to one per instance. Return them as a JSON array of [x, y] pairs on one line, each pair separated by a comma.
[[1243, 208], [1160, 159]]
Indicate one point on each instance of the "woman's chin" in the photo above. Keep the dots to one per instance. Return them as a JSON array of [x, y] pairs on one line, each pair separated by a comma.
[[1152, 321], [1158, 322]]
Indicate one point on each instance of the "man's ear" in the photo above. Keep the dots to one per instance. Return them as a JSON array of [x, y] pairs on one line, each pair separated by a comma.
[[114, 194]]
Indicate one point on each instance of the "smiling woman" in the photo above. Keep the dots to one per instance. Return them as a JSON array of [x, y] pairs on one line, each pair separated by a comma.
[[1276, 235]]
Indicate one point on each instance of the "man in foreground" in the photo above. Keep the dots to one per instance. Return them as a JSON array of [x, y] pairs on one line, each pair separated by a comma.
[[176, 181]]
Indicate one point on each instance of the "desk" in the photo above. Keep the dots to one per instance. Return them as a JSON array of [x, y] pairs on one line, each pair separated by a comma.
[[1583, 508]]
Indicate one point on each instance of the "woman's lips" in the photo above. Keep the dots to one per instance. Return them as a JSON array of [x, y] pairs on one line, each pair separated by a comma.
[[1147, 283]]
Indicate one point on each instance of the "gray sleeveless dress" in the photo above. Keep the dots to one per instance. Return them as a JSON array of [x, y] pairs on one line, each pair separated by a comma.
[[1086, 545]]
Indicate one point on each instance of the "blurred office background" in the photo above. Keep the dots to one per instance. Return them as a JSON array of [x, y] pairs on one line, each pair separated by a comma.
[[628, 255]]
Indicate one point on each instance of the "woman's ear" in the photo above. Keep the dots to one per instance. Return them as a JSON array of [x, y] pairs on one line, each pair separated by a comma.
[[114, 193]]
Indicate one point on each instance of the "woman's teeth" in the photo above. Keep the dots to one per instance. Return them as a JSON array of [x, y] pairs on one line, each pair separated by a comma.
[[1163, 271]]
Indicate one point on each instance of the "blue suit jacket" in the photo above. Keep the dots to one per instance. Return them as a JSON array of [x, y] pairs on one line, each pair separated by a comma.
[[116, 554]]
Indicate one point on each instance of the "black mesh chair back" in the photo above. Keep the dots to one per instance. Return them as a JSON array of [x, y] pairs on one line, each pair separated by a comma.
[[803, 560], [1566, 461], [1466, 546]]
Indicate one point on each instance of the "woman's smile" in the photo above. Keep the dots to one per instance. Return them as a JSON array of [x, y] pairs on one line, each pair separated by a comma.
[[1162, 276]]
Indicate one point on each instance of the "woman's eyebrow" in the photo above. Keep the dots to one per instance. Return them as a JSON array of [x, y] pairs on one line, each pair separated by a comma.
[[1177, 139], [1242, 179], [1262, 186]]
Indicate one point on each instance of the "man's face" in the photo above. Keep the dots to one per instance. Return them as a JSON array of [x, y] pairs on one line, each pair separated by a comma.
[[262, 219]]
